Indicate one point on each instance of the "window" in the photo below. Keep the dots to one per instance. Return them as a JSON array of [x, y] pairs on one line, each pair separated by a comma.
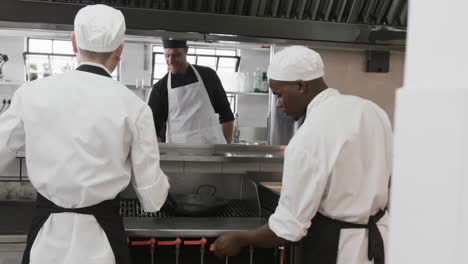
[[44, 57], [220, 60]]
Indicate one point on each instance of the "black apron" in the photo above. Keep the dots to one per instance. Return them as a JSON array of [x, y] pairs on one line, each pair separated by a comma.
[[106, 212], [320, 246]]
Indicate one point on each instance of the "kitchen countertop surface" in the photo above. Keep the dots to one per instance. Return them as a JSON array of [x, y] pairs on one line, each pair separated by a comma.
[[16, 217], [274, 186]]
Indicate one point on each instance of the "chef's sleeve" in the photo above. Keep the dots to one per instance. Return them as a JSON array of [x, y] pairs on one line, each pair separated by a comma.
[[149, 181], [158, 102], [12, 134], [304, 181]]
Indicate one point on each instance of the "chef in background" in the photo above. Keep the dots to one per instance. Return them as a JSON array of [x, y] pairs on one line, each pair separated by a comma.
[[87, 137], [336, 170], [189, 103]]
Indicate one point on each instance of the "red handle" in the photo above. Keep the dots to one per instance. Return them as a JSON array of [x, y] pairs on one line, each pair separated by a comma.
[[212, 248], [202, 241], [178, 241], [152, 241]]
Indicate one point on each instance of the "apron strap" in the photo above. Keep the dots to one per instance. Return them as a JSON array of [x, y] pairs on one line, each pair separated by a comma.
[[106, 214], [324, 236], [375, 249]]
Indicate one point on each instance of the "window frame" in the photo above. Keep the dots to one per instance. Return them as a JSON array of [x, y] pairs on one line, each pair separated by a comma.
[[53, 54]]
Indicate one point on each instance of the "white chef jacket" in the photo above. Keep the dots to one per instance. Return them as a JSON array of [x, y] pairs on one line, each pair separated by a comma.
[[338, 164], [87, 136]]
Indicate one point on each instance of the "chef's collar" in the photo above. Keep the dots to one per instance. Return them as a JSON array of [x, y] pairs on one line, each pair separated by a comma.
[[96, 65], [322, 97]]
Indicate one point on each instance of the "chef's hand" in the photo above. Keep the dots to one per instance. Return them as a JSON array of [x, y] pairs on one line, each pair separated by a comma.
[[159, 139], [229, 244]]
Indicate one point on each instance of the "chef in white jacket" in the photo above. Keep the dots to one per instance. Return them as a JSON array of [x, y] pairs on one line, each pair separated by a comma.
[[336, 170], [87, 137]]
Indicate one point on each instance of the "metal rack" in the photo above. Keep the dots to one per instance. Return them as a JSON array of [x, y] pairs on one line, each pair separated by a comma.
[[234, 208]]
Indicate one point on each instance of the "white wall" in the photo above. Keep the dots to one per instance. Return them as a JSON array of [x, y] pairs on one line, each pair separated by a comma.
[[251, 59], [13, 70], [14, 48], [134, 65], [253, 109]]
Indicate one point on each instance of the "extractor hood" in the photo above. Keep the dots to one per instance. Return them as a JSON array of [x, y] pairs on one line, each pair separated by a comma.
[[374, 22]]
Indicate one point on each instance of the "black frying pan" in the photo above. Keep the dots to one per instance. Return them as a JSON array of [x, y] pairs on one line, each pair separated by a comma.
[[197, 204]]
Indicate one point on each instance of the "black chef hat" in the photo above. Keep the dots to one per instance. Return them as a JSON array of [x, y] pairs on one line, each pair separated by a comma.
[[174, 43]]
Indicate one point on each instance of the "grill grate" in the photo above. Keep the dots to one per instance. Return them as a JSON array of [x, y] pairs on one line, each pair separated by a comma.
[[234, 208]]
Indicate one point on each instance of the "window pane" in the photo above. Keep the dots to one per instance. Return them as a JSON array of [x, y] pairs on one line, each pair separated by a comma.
[[158, 49], [62, 47], [191, 59], [226, 52], [159, 71], [40, 45], [206, 51], [191, 51], [34, 62], [227, 62], [160, 59], [207, 61], [224, 69], [61, 64]]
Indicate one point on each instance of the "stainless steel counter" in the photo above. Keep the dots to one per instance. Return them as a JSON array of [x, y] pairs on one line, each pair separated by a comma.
[[20, 238], [273, 186], [172, 227], [215, 153], [189, 226], [16, 217]]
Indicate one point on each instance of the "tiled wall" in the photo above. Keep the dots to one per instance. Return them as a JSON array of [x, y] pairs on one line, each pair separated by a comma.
[[345, 71]]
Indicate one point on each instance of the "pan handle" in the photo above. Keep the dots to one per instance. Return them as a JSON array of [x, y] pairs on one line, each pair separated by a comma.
[[212, 187]]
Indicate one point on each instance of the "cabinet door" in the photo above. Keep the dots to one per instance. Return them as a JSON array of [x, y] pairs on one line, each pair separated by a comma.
[[11, 253], [11, 257]]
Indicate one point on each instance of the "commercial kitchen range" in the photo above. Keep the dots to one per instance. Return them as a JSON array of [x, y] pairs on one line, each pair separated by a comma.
[[164, 237]]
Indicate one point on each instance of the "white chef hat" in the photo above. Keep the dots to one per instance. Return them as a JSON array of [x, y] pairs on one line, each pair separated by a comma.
[[99, 28], [296, 63]]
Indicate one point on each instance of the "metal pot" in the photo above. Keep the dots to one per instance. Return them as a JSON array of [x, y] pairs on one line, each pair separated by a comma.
[[197, 204]]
